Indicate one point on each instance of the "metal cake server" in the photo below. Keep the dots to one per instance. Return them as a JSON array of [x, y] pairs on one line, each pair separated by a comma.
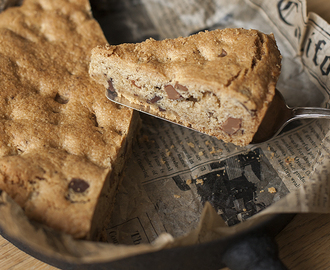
[[279, 114]]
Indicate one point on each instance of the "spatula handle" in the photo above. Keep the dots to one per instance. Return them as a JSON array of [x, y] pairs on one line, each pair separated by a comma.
[[310, 112]]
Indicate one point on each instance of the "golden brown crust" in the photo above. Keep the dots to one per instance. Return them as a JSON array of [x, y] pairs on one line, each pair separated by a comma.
[[229, 65], [60, 136]]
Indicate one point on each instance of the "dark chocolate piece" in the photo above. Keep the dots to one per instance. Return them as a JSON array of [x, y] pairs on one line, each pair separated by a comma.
[[60, 99], [231, 125], [78, 185], [180, 87], [111, 92], [154, 99], [223, 53], [171, 92]]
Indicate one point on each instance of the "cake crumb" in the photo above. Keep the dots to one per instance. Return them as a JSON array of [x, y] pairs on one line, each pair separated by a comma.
[[191, 144], [200, 153], [188, 181], [207, 143], [199, 181], [214, 151], [261, 191], [288, 160], [177, 196], [162, 161], [172, 146], [272, 190]]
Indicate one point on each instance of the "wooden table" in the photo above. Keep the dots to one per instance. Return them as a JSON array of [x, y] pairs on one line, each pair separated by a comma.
[[304, 243]]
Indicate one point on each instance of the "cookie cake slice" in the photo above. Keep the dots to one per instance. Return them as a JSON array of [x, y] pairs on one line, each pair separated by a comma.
[[217, 82]]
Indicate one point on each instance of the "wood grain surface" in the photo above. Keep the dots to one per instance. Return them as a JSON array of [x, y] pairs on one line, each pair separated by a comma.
[[303, 244]]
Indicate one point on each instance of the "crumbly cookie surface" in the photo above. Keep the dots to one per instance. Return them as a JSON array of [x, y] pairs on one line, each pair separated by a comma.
[[218, 82], [61, 140]]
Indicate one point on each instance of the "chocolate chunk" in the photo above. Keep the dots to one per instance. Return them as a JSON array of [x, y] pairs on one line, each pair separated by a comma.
[[180, 87], [61, 99], [161, 109], [223, 53], [78, 185], [171, 92], [111, 92], [231, 125], [191, 98], [154, 99]]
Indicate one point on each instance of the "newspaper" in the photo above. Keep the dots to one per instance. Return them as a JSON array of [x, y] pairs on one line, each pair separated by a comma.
[[182, 187], [174, 171]]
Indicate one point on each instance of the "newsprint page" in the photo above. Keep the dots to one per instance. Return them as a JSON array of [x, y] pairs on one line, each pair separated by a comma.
[[174, 171]]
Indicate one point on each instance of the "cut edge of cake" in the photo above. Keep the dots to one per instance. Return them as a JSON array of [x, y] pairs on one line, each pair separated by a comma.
[[107, 198], [217, 82]]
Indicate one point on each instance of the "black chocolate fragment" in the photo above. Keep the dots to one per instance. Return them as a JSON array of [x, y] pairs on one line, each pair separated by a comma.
[[171, 92], [180, 87], [154, 99], [60, 99], [78, 185], [111, 92], [223, 53], [232, 125]]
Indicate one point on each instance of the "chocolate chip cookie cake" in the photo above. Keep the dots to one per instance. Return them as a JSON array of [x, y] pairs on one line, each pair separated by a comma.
[[63, 144], [217, 82]]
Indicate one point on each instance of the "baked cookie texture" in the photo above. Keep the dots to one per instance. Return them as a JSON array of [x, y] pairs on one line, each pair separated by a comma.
[[63, 144], [217, 82]]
